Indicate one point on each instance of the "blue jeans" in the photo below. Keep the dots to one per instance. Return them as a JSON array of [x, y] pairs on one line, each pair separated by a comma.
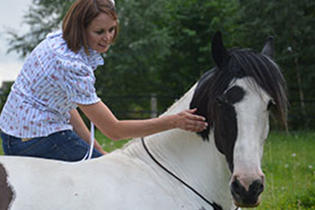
[[63, 145]]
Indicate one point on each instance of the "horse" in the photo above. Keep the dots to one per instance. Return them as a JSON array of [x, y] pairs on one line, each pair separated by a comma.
[[216, 169]]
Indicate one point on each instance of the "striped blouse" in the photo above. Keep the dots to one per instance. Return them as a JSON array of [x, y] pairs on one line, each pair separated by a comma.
[[53, 80]]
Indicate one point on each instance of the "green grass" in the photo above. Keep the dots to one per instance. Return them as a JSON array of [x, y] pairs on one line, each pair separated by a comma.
[[107, 144], [289, 166]]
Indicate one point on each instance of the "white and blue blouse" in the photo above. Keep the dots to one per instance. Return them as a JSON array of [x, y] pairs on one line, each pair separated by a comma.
[[53, 80]]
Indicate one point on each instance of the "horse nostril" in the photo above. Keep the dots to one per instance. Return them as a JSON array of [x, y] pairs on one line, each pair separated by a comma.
[[244, 196], [257, 187], [237, 188]]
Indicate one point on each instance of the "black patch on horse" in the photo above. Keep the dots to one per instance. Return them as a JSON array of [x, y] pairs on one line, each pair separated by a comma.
[[215, 102], [6, 192], [225, 127]]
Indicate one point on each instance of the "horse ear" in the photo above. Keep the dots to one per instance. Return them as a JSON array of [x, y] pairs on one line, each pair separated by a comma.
[[219, 53], [268, 49]]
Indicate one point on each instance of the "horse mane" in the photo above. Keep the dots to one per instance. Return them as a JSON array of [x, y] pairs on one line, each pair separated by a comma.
[[242, 63]]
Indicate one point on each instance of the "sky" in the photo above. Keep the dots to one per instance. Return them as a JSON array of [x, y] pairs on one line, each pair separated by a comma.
[[11, 16]]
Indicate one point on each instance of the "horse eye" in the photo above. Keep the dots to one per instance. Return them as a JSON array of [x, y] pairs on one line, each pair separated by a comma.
[[221, 100], [271, 104]]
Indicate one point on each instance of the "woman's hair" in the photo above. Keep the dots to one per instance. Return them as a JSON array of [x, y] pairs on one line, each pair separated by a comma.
[[79, 17]]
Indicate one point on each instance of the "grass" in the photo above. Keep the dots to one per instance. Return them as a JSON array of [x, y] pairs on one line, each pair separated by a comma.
[[289, 166], [107, 144]]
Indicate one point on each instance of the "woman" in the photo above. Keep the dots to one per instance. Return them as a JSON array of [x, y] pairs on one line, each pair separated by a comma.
[[40, 117]]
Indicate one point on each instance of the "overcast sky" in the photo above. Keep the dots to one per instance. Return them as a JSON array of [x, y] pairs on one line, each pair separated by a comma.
[[11, 16]]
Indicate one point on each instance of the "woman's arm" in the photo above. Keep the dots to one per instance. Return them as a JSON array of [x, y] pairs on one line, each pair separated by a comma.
[[83, 132], [116, 129]]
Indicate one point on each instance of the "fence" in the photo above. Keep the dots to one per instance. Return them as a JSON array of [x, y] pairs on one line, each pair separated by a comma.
[[140, 107], [301, 115]]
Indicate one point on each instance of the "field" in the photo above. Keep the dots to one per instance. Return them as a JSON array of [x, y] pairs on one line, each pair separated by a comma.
[[289, 166]]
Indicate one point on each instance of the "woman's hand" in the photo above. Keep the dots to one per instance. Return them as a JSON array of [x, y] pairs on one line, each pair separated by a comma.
[[189, 121]]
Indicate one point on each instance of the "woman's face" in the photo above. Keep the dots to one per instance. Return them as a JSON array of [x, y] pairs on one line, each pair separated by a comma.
[[100, 33]]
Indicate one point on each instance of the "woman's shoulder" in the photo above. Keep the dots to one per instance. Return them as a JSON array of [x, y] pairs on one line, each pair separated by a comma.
[[59, 47]]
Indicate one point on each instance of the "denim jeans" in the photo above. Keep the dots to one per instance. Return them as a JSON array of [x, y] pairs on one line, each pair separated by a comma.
[[63, 145]]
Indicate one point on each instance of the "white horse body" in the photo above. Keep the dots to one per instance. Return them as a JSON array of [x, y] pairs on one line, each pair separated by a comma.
[[127, 178], [223, 164]]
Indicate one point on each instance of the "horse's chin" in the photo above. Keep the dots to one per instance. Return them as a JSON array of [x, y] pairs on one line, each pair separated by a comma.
[[247, 205]]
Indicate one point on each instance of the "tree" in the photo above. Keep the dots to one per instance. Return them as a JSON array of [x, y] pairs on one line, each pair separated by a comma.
[[43, 17], [164, 46], [292, 24], [4, 92], [192, 24]]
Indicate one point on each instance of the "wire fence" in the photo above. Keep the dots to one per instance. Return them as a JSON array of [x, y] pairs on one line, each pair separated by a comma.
[[301, 114], [139, 107]]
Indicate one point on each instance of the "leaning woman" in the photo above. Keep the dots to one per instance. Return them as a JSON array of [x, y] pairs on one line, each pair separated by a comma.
[[41, 118]]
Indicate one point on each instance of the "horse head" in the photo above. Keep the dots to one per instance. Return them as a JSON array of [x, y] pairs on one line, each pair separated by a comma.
[[235, 97]]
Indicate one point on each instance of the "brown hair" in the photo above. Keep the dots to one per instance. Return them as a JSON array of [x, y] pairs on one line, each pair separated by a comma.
[[79, 17]]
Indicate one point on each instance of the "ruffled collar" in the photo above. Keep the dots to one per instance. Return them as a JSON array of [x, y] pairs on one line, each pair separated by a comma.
[[59, 46]]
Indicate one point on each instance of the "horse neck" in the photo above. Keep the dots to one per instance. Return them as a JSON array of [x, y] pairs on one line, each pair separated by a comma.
[[194, 160]]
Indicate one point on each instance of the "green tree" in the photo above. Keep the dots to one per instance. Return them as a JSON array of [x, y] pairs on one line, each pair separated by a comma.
[[163, 47], [43, 17], [292, 24], [4, 94], [192, 24]]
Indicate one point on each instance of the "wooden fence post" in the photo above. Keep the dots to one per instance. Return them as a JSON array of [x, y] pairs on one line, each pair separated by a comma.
[[154, 110]]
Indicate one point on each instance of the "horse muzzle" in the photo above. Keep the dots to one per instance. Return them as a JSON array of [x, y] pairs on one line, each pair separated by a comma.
[[247, 196]]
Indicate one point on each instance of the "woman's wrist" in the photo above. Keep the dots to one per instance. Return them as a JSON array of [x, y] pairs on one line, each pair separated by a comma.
[[170, 121]]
